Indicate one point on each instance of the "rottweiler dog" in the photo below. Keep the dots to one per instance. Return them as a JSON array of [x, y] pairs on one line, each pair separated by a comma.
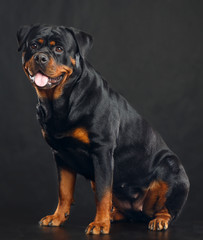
[[93, 131]]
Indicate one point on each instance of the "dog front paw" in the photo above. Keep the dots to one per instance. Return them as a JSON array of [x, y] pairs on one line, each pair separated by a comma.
[[98, 228], [54, 220]]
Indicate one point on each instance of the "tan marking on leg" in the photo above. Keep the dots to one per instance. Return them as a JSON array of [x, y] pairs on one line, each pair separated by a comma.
[[155, 198], [66, 191], [154, 206], [116, 215], [101, 223]]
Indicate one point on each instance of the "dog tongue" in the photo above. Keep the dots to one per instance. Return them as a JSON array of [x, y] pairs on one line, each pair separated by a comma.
[[41, 80]]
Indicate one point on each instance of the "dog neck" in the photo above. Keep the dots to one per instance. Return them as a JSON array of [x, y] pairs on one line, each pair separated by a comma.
[[50, 111]]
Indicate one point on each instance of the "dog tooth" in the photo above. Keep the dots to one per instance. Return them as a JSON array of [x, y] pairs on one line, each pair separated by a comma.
[[32, 78], [49, 84]]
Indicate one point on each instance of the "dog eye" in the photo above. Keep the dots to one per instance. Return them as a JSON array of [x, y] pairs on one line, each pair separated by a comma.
[[58, 49], [33, 45]]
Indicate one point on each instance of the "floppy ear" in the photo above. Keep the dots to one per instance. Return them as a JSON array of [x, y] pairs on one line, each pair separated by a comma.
[[84, 41], [22, 34]]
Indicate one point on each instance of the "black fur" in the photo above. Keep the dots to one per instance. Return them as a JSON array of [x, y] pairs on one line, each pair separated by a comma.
[[124, 152]]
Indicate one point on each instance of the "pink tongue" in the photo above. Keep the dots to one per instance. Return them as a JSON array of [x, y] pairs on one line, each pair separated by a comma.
[[41, 80]]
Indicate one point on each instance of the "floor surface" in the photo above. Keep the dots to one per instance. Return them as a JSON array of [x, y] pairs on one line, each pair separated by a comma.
[[124, 231]]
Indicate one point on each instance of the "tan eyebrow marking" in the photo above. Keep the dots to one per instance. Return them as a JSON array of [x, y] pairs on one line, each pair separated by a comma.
[[52, 43], [41, 40]]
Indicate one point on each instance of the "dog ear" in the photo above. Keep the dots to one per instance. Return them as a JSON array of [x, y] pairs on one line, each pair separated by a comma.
[[83, 40], [22, 34]]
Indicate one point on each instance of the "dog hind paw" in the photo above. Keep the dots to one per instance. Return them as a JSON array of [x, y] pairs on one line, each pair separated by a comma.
[[158, 224], [98, 228]]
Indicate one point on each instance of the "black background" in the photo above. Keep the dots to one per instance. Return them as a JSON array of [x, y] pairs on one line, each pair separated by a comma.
[[149, 51]]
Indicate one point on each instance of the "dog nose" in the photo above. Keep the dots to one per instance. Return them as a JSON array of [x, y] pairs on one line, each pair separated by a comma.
[[41, 58]]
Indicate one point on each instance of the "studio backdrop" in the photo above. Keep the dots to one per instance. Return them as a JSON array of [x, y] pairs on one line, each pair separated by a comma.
[[149, 51]]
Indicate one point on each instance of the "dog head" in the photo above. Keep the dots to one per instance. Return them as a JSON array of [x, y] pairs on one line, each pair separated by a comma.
[[50, 54]]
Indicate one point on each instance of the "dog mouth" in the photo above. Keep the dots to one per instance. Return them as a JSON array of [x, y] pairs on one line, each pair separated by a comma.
[[43, 81]]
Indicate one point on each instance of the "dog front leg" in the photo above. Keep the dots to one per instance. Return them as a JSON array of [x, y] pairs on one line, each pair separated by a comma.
[[102, 186], [67, 180]]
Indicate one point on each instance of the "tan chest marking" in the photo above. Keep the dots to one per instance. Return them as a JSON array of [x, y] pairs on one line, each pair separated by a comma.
[[80, 134]]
